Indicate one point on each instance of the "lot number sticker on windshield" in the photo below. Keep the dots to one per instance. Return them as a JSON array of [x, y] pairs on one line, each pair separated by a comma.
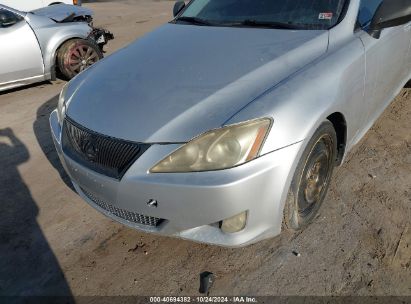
[[325, 16]]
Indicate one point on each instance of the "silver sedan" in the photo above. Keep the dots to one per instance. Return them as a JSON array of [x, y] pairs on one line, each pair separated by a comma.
[[36, 45], [224, 125]]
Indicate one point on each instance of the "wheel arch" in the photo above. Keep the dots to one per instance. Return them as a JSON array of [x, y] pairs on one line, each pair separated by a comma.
[[340, 125], [51, 45]]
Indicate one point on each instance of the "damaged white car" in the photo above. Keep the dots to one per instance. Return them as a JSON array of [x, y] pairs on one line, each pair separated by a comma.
[[37, 45]]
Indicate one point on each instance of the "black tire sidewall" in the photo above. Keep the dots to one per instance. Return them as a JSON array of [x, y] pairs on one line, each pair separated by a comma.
[[292, 220]]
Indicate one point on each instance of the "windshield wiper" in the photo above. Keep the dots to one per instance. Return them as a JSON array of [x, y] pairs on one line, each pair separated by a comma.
[[194, 20], [247, 22], [267, 24]]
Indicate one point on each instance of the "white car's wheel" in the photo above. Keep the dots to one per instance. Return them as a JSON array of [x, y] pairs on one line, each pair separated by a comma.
[[76, 55]]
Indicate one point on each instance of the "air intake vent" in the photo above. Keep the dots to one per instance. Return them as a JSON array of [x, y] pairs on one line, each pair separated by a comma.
[[124, 214]]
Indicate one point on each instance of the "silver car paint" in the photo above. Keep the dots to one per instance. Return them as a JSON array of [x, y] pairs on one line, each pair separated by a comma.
[[192, 201], [61, 11], [29, 65], [343, 81], [28, 55], [351, 74], [201, 87]]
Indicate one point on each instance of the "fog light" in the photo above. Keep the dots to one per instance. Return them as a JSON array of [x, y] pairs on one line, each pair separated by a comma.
[[235, 223]]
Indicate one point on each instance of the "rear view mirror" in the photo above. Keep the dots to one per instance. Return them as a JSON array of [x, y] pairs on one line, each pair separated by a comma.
[[7, 18], [390, 13], [178, 7]]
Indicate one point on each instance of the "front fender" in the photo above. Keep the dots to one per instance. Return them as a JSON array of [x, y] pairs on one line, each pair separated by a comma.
[[298, 104], [52, 35], [79, 30]]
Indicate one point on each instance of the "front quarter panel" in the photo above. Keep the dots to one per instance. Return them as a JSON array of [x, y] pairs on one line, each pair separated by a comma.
[[52, 35], [298, 105]]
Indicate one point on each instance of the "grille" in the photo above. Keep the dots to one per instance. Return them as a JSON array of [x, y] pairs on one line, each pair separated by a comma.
[[100, 153], [124, 214]]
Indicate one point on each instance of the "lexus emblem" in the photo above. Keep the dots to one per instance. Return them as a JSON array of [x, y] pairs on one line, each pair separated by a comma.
[[88, 147]]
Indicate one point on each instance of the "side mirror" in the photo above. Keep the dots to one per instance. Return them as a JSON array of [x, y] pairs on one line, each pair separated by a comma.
[[390, 13], [178, 7], [7, 18]]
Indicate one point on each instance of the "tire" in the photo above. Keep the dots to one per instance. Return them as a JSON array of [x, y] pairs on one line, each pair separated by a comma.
[[311, 178], [76, 55]]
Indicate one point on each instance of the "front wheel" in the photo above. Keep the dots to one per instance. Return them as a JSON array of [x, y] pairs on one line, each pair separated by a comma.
[[76, 55], [312, 178]]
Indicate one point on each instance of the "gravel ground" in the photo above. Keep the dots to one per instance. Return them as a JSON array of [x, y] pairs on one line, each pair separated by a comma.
[[51, 242]]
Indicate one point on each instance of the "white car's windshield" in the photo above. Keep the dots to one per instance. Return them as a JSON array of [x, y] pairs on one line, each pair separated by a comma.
[[301, 14]]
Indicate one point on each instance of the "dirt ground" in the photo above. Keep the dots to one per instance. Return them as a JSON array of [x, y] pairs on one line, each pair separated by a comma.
[[51, 242]]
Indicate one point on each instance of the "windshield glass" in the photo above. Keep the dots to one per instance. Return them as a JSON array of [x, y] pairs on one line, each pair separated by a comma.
[[304, 14]]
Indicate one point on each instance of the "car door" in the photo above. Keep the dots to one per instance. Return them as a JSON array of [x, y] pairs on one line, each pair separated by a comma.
[[20, 54], [386, 60]]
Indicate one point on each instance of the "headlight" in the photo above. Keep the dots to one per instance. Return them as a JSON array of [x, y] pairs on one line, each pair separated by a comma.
[[61, 105], [218, 149]]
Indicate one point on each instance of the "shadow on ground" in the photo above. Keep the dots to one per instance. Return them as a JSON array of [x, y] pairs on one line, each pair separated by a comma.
[[28, 265], [43, 135], [25, 87]]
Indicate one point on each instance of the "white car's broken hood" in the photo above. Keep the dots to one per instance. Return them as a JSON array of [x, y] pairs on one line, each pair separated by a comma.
[[60, 12]]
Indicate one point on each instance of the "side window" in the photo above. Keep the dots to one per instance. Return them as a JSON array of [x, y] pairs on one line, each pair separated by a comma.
[[8, 18], [367, 11]]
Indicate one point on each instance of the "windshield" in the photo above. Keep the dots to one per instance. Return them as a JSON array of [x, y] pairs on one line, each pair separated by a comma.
[[301, 14]]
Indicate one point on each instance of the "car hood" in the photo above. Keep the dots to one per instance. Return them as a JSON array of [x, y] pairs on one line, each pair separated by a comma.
[[59, 12], [182, 80]]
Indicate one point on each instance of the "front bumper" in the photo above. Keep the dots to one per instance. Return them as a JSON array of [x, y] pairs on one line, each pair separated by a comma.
[[191, 204]]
